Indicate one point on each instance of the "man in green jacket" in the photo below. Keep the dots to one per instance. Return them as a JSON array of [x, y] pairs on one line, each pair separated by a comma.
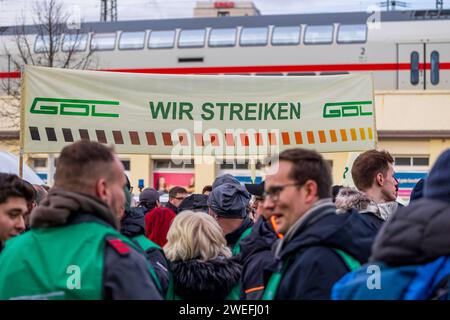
[[73, 250]]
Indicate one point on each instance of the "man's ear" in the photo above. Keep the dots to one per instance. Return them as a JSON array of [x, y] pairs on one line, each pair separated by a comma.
[[100, 189], [379, 179], [158, 204], [310, 187]]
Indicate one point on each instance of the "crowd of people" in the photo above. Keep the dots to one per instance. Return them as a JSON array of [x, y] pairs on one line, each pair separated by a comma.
[[294, 236]]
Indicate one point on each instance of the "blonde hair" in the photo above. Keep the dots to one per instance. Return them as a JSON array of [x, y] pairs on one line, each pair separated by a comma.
[[195, 235]]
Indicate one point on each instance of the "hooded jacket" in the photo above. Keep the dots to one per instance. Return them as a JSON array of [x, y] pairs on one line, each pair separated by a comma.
[[205, 280], [132, 226], [255, 254], [124, 276], [308, 246], [233, 237], [415, 235]]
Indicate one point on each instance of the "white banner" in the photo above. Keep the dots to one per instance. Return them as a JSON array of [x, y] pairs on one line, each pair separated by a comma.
[[196, 115]]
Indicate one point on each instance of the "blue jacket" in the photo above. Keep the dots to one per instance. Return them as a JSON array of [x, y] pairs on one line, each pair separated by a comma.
[[313, 264]]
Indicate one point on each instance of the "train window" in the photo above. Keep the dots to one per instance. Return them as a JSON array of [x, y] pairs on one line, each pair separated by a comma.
[[74, 42], [301, 74], [132, 40], [103, 41], [352, 33], [414, 68], [319, 34], [42, 44], [192, 38], [434, 67], [222, 37], [254, 36], [286, 35], [161, 39]]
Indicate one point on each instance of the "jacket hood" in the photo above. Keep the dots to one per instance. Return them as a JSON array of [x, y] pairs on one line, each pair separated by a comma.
[[205, 280], [60, 206], [133, 223], [262, 238], [415, 234], [323, 227]]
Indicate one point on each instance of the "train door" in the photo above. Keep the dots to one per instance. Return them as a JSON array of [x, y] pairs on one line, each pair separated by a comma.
[[411, 62], [438, 65]]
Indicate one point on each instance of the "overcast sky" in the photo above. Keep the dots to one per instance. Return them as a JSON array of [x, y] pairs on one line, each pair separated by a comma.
[[157, 9]]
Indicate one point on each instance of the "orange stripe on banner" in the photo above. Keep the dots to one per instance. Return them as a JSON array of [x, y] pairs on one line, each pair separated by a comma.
[[343, 135], [272, 138], [322, 137], [229, 139], [258, 138], [214, 139], [285, 137], [134, 137], [353, 134], [310, 136], [199, 139], [298, 138], [167, 138], [254, 289], [370, 133], [333, 136], [244, 140], [362, 133], [182, 138], [151, 139]]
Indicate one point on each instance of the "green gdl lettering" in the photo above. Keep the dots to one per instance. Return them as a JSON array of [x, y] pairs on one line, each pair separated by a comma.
[[72, 107], [347, 109]]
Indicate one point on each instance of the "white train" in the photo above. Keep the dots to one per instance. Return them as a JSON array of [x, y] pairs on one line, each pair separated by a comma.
[[404, 50]]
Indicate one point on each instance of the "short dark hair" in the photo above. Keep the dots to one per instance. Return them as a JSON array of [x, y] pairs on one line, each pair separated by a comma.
[[176, 190], [207, 188], [367, 165], [82, 163], [11, 186], [308, 165]]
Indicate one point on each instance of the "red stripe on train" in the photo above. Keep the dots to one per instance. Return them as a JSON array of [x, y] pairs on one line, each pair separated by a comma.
[[268, 69]]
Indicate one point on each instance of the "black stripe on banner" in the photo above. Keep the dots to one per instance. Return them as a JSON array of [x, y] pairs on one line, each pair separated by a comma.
[[84, 134], [67, 134], [34, 132], [51, 134]]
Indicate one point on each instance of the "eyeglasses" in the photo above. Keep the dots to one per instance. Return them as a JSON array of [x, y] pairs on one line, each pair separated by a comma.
[[274, 192]]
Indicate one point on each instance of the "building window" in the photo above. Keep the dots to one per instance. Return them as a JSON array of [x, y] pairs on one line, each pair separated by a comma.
[[161, 39], [126, 164], [223, 13], [173, 164], [414, 161], [40, 163]]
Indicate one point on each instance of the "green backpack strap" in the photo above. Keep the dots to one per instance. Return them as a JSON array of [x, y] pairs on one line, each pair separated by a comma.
[[351, 262], [272, 286], [237, 247]]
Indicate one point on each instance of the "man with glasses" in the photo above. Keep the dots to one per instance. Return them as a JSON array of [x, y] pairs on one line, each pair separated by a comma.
[[176, 195], [319, 246]]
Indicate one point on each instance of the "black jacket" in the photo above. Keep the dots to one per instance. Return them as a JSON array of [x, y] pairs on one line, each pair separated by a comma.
[[417, 234], [233, 237], [314, 266], [125, 275], [133, 225], [205, 280], [172, 207], [255, 254]]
